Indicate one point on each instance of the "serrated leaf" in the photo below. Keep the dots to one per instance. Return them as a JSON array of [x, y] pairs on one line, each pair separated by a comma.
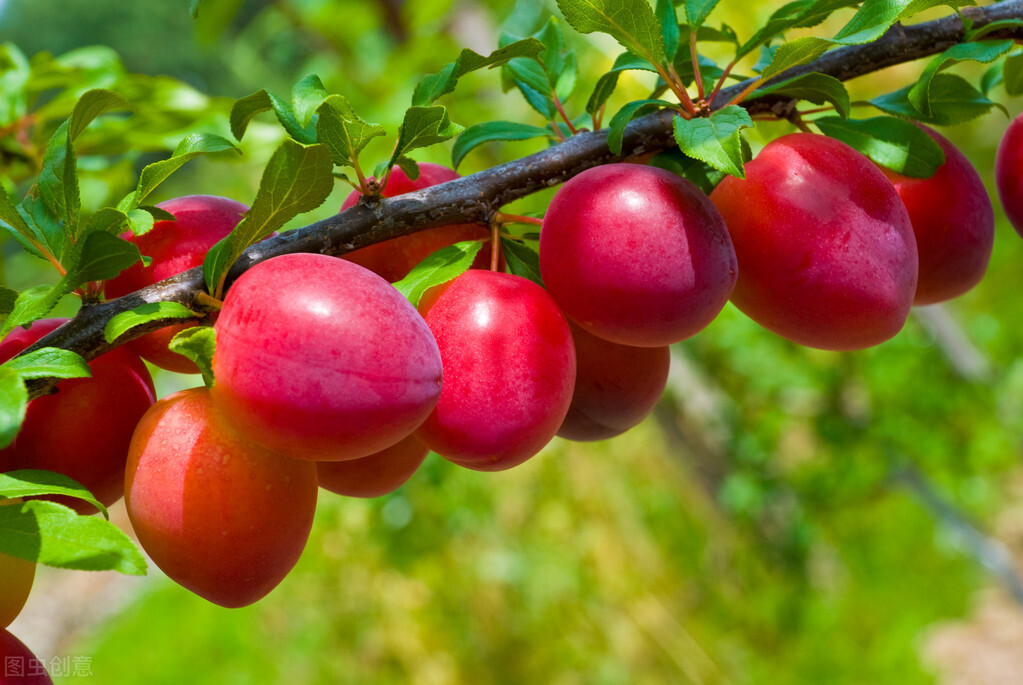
[[799, 14], [531, 74], [103, 256], [296, 179], [92, 104], [893, 143], [13, 402], [675, 161], [306, 96], [10, 215], [58, 182], [406, 164], [983, 52], [1012, 75], [815, 87], [794, 53], [245, 109], [621, 119], [45, 226], [33, 304], [35, 482], [475, 136], [106, 220], [49, 362], [522, 260], [440, 267], [697, 11], [342, 131], [630, 22], [992, 27], [55, 535], [156, 173], [607, 83], [198, 344], [422, 127], [953, 101], [716, 140], [151, 311], [431, 87]]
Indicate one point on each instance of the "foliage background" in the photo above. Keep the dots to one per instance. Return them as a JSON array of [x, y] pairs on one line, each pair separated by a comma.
[[789, 516]]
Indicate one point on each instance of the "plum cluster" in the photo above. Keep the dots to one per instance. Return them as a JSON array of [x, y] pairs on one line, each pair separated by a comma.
[[327, 377]]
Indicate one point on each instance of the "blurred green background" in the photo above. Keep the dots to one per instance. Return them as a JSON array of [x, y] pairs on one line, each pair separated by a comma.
[[787, 516]]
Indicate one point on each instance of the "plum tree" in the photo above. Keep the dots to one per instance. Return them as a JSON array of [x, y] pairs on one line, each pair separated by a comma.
[[105, 408], [953, 222], [509, 369], [19, 665], [616, 386], [393, 259], [827, 256], [218, 514], [636, 255], [1009, 172], [375, 475], [177, 245], [322, 359]]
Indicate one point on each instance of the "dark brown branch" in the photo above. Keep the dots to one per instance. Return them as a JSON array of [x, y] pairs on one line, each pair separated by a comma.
[[474, 198]]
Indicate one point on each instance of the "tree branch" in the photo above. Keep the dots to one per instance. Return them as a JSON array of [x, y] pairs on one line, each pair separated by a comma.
[[475, 198]]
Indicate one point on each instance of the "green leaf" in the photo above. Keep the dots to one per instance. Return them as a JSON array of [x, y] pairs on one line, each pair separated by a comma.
[[606, 83], [197, 343], [156, 173], [144, 313], [13, 402], [107, 220], [630, 22], [10, 215], [103, 256], [953, 101], [58, 183], [92, 104], [1012, 75], [8, 297], [245, 109], [984, 52], [494, 130], [1000, 25], [433, 86], [716, 140], [668, 18], [522, 260], [621, 119], [815, 87], [33, 304], [307, 95], [296, 179], [799, 14], [698, 10], [794, 53], [893, 143], [424, 126], [342, 131], [440, 267], [49, 362], [677, 162], [44, 224], [55, 535], [35, 482]]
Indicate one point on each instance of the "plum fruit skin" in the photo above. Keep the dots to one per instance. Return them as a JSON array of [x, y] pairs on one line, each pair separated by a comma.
[[222, 517], [85, 428], [175, 246], [636, 255], [827, 255], [394, 259], [954, 224], [1009, 172], [319, 358], [616, 386], [509, 369], [21, 666], [376, 474]]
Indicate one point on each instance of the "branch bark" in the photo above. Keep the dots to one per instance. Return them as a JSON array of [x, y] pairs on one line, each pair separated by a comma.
[[475, 198]]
